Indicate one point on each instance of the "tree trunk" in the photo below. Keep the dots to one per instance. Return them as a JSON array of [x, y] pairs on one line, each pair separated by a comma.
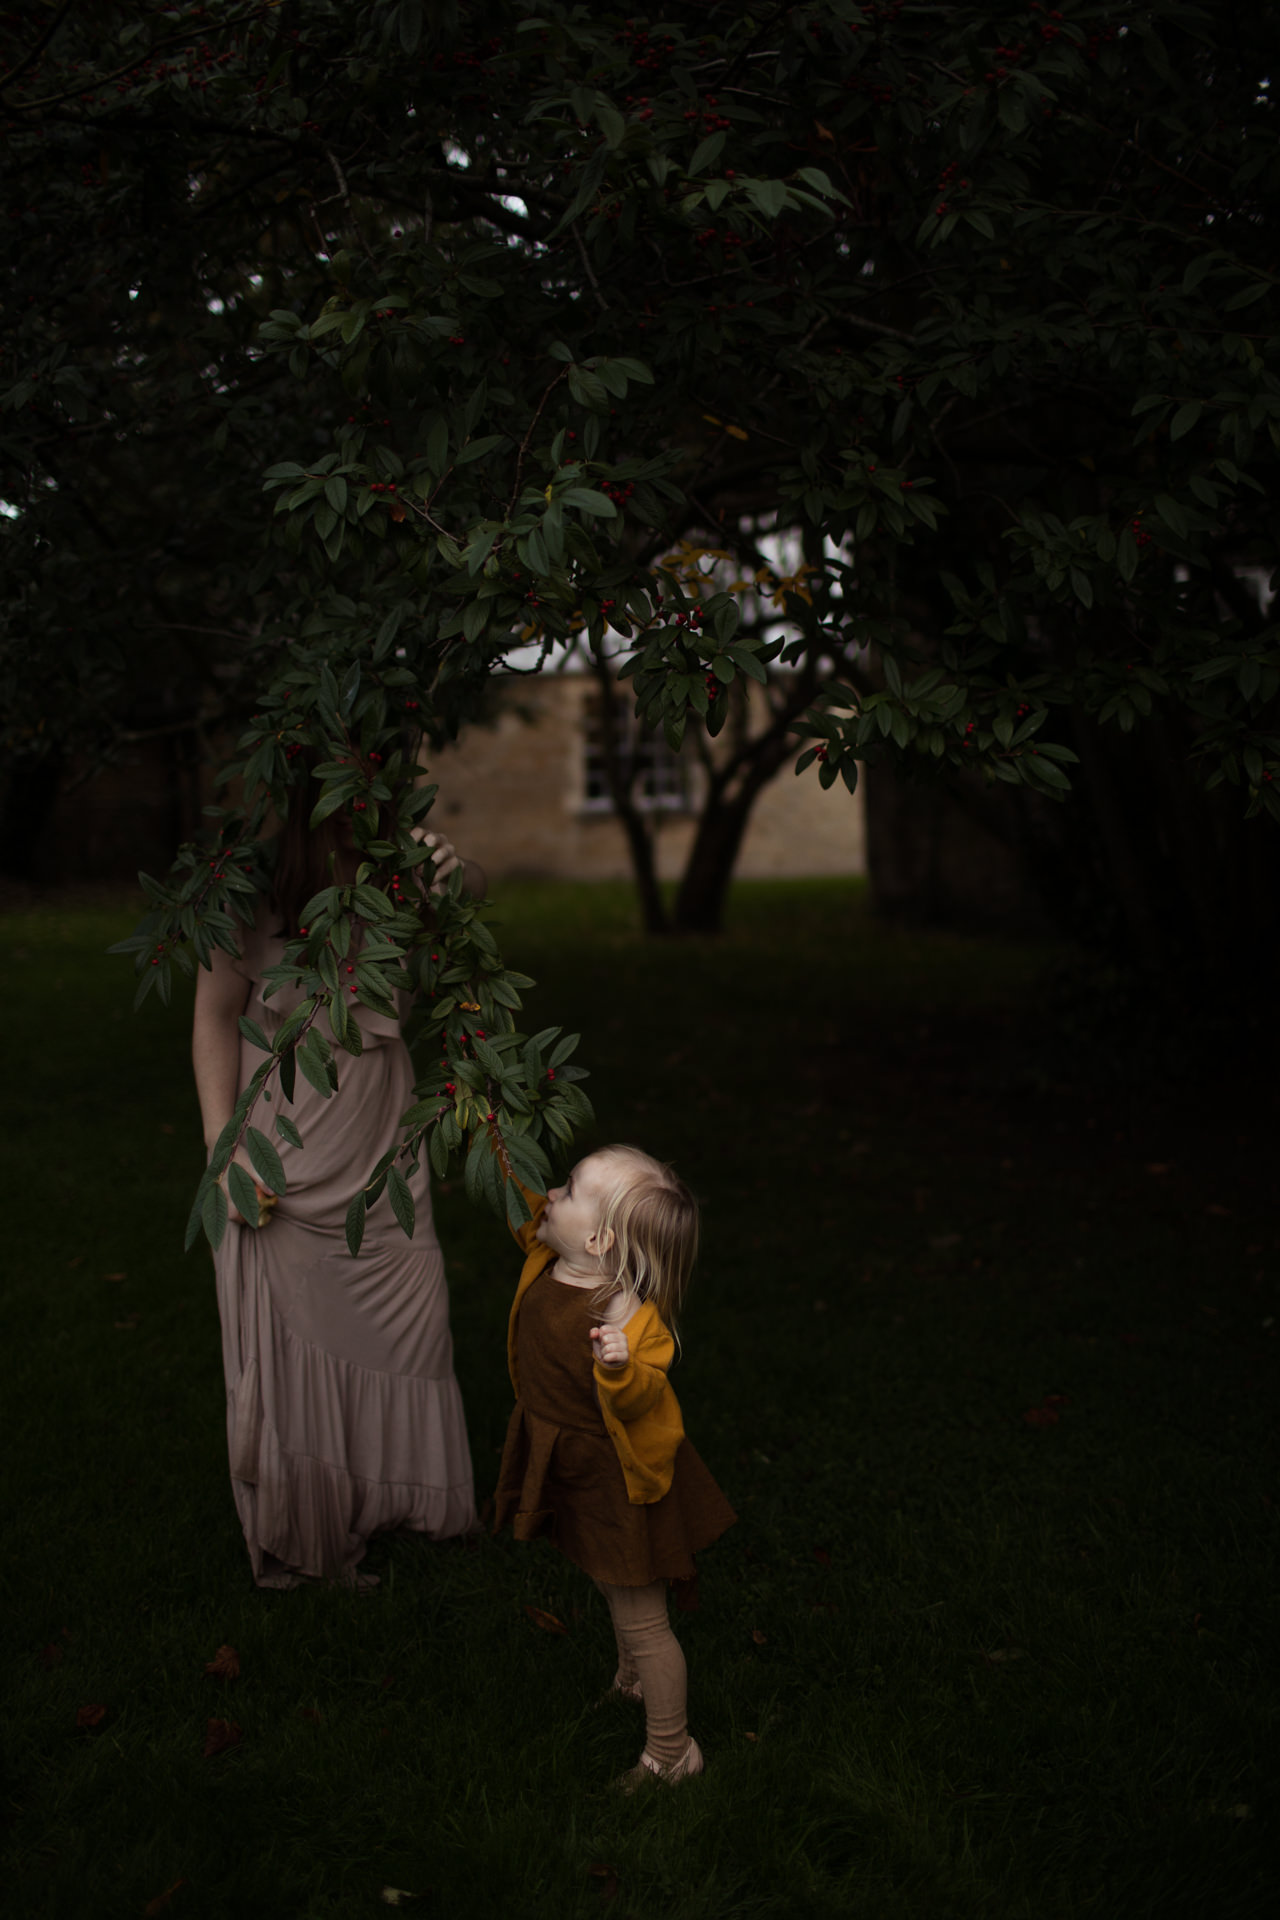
[[700, 901], [29, 800], [1139, 863], [620, 774], [640, 845]]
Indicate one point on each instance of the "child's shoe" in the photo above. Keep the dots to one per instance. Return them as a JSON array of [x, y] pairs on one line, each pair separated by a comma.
[[648, 1770]]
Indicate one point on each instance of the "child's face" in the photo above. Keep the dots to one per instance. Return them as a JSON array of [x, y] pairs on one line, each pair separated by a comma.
[[571, 1222]]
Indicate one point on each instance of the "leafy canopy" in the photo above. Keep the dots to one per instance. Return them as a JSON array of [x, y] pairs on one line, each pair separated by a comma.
[[501, 302]]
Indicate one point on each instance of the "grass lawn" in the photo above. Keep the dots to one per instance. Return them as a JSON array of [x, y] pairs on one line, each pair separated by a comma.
[[952, 1662]]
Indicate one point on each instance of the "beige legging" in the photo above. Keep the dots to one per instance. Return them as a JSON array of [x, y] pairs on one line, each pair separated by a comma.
[[649, 1653]]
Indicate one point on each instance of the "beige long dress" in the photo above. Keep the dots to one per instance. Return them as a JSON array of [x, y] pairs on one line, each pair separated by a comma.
[[343, 1413]]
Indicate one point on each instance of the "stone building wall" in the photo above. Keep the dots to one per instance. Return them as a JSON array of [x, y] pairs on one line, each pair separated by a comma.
[[514, 796]]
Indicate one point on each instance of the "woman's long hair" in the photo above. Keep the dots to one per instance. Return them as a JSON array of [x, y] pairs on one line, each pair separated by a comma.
[[303, 851]]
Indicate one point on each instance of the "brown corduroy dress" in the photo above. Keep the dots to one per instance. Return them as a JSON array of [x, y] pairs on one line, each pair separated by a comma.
[[560, 1475]]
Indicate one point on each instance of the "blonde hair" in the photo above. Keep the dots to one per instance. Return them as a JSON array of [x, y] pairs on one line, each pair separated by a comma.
[[653, 1220]]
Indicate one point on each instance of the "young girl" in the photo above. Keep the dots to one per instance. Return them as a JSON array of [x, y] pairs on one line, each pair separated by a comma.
[[596, 1459]]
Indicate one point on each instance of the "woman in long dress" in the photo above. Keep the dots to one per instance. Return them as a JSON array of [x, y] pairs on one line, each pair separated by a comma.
[[343, 1414]]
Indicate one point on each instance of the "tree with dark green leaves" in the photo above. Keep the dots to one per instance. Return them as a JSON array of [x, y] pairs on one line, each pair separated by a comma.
[[372, 340]]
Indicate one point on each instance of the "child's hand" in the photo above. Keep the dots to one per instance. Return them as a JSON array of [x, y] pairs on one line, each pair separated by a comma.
[[609, 1346]]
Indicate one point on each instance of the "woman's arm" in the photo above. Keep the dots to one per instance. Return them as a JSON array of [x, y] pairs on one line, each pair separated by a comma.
[[222, 994]]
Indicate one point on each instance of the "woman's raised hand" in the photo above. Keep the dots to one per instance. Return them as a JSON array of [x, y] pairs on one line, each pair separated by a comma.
[[609, 1346], [446, 857]]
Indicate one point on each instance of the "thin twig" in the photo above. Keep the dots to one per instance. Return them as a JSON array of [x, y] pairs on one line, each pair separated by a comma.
[[602, 303], [875, 326], [525, 443], [344, 191]]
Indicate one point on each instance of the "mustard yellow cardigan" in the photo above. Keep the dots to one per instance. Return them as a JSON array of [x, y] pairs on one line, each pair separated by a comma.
[[640, 1409]]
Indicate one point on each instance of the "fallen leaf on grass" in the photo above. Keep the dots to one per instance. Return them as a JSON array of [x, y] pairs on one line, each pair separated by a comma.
[[161, 1901], [87, 1718], [761, 1639], [386, 1683], [821, 1555], [50, 1656], [115, 1276], [309, 1713], [1041, 1416], [225, 1664], [547, 1621], [220, 1736], [1004, 1653], [607, 1876], [751, 1736], [397, 1896]]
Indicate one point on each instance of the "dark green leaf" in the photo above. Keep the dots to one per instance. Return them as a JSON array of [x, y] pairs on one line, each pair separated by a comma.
[[355, 1224], [215, 1214], [253, 1033], [266, 1160], [243, 1192], [401, 1198]]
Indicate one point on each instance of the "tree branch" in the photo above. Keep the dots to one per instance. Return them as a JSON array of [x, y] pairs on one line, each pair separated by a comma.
[[29, 59]]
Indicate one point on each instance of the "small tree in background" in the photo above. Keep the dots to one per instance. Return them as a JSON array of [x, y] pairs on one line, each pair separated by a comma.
[[500, 302]]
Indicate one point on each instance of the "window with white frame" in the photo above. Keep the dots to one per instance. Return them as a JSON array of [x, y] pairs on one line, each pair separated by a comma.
[[661, 784]]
